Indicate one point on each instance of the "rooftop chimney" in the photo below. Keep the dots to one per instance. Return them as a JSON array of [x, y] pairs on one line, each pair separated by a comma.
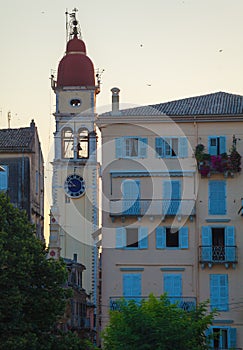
[[115, 100]]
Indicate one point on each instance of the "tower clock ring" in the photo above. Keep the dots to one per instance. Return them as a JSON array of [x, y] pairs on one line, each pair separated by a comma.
[[74, 186]]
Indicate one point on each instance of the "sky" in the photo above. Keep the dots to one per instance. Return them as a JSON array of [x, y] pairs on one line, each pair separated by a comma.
[[154, 51]]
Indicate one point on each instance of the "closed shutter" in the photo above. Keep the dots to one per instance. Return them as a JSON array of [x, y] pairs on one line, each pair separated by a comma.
[[171, 197], [131, 197], [143, 147], [206, 244], [230, 251], [217, 197], [132, 285], [183, 147], [143, 238], [160, 237], [119, 142], [183, 237], [173, 286], [4, 178], [120, 237], [219, 292]]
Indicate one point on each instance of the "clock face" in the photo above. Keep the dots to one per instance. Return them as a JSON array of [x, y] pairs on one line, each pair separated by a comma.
[[74, 186]]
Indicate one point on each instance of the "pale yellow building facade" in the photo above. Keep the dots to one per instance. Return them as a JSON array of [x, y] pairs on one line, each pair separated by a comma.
[[172, 188]]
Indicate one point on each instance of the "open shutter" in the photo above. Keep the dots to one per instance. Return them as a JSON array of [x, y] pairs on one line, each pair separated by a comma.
[[159, 147], [120, 237], [217, 197], [206, 244], [222, 144], [160, 237], [119, 143], [142, 147], [183, 147], [183, 237], [4, 178], [213, 145], [132, 285], [230, 244], [143, 238], [209, 335], [232, 338]]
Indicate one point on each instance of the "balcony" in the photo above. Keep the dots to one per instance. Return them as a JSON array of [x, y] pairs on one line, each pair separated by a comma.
[[218, 255], [185, 303], [154, 207]]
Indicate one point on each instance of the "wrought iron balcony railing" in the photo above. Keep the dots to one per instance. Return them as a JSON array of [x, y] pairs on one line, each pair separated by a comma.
[[218, 254], [185, 303], [152, 207]]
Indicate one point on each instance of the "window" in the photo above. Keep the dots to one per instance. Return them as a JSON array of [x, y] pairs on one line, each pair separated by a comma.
[[218, 244], [219, 292], [4, 178], [132, 237], [173, 286], [222, 337], [171, 197], [131, 197], [216, 145], [217, 197], [67, 143], [168, 237], [131, 147], [83, 144], [171, 147], [132, 285]]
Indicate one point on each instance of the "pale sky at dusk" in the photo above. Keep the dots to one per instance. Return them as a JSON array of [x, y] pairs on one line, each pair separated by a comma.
[[154, 51]]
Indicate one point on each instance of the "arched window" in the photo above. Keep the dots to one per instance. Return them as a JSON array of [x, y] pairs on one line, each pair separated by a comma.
[[83, 144], [67, 143]]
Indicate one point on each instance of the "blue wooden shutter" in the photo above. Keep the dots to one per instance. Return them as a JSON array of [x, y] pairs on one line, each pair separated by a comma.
[[143, 238], [119, 142], [230, 244], [206, 244], [217, 197], [120, 237], [209, 335], [159, 147], [132, 285], [171, 197], [160, 237], [183, 237], [173, 286], [4, 178], [131, 197], [183, 147], [232, 338], [222, 144], [142, 147], [213, 148], [219, 291]]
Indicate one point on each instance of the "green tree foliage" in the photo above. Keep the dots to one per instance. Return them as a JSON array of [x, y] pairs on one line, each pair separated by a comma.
[[32, 290], [157, 324]]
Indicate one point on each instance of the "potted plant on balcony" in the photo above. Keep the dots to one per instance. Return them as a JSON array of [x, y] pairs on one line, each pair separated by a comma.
[[203, 160]]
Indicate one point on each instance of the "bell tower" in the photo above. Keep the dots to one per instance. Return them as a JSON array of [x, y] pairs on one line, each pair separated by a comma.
[[74, 210]]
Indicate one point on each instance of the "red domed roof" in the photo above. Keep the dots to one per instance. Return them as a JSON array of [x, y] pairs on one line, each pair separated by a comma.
[[75, 68]]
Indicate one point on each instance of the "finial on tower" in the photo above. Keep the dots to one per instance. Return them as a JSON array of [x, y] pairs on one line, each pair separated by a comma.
[[72, 25]]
